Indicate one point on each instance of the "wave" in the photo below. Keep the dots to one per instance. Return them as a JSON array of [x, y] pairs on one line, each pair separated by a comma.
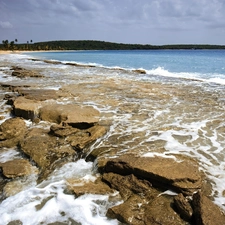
[[158, 71]]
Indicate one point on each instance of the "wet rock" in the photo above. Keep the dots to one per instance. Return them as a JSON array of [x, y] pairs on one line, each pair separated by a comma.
[[63, 131], [128, 185], [26, 108], [182, 176], [45, 150], [130, 212], [13, 86], [80, 140], [159, 211], [10, 98], [183, 207], [139, 71], [15, 222], [17, 168], [206, 212], [12, 132], [138, 211], [81, 117], [98, 188], [40, 94], [22, 73], [84, 138], [52, 62], [95, 153]]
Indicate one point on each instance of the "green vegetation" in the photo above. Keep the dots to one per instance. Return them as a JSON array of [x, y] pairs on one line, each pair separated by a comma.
[[94, 45]]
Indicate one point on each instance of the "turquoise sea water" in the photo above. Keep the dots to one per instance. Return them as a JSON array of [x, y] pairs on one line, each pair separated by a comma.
[[204, 65], [176, 108]]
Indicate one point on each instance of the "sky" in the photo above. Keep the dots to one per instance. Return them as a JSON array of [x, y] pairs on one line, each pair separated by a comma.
[[155, 22]]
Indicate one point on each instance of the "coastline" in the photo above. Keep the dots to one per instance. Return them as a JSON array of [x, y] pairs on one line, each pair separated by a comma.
[[127, 109]]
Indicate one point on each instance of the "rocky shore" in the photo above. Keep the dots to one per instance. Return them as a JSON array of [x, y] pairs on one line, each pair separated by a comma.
[[153, 190]]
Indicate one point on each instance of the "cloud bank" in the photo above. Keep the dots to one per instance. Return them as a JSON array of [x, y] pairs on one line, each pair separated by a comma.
[[127, 21]]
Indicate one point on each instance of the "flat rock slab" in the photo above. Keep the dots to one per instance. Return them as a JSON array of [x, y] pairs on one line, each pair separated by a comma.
[[74, 115], [26, 108], [17, 168], [40, 94], [182, 176], [21, 72]]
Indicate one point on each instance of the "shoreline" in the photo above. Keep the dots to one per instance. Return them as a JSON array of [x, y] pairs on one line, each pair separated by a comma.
[[132, 92]]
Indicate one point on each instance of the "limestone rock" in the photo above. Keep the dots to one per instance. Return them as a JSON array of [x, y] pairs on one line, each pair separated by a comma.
[[159, 211], [46, 150], [84, 138], [131, 212], [183, 207], [26, 108], [39, 94], [21, 72], [181, 176], [77, 116], [127, 185], [98, 187], [141, 71], [206, 212], [11, 132], [63, 131], [17, 168]]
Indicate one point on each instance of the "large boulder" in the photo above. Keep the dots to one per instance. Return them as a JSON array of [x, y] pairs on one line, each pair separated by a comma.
[[26, 108], [12, 132], [17, 168], [206, 212], [182, 176], [77, 116]]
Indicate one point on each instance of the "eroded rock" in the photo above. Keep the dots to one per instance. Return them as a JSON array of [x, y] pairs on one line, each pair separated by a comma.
[[12, 132], [183, 207], [21, 72], [84, 138], [40, 94], [17, 168], [182, 176], [46, 150], [26, 108], [97, 187], [128, 185], [81, 117], [206, 212]]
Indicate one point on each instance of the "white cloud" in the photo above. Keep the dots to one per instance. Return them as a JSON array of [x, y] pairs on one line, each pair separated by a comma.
[[5, 25]]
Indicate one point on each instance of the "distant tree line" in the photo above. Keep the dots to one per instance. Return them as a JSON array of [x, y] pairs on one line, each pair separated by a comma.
[[12, 45], [94, 45]]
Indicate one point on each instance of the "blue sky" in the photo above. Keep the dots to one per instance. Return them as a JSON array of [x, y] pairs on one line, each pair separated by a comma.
[[154, 22]]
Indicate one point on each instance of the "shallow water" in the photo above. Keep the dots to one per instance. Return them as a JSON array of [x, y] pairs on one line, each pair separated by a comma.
[[147, 115]]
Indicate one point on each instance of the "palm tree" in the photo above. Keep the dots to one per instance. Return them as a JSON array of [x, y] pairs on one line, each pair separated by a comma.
[[12, 45], [6, 44]]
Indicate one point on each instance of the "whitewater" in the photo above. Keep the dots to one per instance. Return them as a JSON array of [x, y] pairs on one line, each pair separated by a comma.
[[175, 107]]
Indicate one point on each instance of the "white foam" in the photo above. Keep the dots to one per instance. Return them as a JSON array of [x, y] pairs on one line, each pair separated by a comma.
[[8, 154], [47, 202]]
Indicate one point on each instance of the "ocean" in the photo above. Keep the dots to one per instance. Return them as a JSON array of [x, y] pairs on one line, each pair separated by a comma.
[[176, 106]]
